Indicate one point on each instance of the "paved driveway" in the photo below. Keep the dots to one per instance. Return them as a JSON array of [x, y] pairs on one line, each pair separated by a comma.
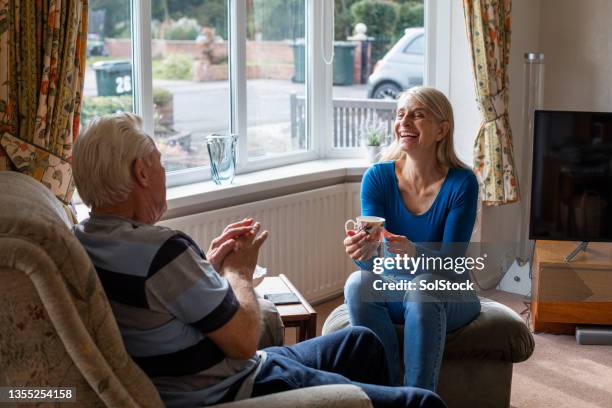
[[203, 107]]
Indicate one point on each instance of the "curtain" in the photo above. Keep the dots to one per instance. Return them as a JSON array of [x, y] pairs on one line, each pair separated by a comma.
[[488, 28], [42, 68]]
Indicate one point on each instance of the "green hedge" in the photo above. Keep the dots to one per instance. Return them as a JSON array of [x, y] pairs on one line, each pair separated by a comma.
[[174, 66], [411, 14], [94, 106], [182, 29], [161, 97], [380, 16]]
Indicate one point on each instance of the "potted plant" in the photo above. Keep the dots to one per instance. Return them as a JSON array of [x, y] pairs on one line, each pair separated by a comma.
[[163, 103], [163, 119], [373, 135]]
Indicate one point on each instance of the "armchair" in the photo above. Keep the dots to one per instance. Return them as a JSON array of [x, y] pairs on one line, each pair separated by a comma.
[[56, 325]]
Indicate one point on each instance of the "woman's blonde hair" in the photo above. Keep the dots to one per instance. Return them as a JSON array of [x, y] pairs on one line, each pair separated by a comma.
[[440, 107], [103, 155]]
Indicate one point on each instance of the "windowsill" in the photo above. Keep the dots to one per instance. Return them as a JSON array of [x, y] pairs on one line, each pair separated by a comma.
[[260, 185]]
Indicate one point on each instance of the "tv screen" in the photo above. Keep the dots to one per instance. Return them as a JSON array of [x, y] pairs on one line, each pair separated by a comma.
[[571, 185]]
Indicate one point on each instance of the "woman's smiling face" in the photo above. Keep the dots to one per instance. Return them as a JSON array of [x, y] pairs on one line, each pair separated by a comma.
[[417, 130]]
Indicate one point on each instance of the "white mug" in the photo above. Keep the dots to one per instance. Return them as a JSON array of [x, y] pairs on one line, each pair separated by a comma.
[[372, 225]]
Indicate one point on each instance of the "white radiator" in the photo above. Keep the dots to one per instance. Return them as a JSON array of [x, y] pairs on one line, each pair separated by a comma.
[[306, 232]]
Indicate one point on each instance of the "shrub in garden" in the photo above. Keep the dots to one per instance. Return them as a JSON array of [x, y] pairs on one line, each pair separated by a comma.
[[343, 19], [173, 66], [411, 14], [94, 106], [161, 96], [164, 109], [380, 17], [182, 29]]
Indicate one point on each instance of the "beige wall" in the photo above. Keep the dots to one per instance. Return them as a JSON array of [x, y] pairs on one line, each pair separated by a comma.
[[576, 38]]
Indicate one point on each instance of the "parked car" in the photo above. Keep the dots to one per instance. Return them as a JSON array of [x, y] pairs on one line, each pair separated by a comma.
[[401, 68], [95, 45]]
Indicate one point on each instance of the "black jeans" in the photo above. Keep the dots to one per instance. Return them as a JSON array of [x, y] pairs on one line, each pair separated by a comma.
[[354, 355]]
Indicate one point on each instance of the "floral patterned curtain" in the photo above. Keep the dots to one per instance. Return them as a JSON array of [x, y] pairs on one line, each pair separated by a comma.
[[488, 29], [42, 67]]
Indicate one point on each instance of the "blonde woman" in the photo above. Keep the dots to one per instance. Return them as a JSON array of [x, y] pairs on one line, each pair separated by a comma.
[[426, 194]]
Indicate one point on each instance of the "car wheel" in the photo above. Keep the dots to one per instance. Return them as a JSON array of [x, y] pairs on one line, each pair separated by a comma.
[[386, 90]]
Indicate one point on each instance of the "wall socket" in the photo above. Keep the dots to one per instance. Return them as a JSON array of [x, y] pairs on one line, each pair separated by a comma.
[[516, 280]]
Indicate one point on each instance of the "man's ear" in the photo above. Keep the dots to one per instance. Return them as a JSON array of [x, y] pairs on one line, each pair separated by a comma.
[[140, 173]]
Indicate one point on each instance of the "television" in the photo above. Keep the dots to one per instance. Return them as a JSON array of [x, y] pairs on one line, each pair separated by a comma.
[[571, 184]]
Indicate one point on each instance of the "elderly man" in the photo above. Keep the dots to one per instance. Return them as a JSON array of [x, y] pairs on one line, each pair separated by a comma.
[[191, 320]]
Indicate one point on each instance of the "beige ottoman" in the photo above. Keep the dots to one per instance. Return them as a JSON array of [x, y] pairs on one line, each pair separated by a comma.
[[477, 365]]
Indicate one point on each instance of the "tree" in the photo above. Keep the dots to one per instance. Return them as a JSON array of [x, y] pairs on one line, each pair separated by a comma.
[[208, 13], [279, 19], [379, 15], [343, 19], [411, 14], [116, 16]]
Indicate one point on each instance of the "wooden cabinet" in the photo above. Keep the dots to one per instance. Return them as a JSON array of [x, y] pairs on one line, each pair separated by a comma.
[[577, 292]]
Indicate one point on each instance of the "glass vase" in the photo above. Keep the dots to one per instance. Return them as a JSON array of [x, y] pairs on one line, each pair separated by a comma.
[[222, 154]]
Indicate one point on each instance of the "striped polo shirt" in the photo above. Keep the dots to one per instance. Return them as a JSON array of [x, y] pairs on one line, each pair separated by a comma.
[[165, 297]]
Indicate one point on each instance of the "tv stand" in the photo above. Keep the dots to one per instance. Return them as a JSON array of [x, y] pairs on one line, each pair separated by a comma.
[[580, 247], [566, 294]]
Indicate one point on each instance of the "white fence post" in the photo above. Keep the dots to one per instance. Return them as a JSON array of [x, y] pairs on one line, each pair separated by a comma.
[[349, 115]]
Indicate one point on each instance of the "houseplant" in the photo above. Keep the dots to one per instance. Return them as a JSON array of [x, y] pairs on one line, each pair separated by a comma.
[[373, 134]]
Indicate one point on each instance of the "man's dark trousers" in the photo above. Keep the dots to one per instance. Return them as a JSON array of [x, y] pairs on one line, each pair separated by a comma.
[[353, 355]]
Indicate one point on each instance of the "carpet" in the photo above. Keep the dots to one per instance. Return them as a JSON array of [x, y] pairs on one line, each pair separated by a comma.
[[560, 373]]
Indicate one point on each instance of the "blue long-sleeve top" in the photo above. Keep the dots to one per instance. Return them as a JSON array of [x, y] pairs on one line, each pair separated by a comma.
[[450, 219]]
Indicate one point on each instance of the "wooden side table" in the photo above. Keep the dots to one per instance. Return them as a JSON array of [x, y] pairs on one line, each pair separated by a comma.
[[300, 315], [565, 294]]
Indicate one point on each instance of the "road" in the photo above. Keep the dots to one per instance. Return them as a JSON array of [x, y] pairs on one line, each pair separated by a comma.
[[205, 106], [201, 108]]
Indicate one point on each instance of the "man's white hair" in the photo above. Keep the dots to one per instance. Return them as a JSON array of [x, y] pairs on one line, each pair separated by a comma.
[[103, 156]]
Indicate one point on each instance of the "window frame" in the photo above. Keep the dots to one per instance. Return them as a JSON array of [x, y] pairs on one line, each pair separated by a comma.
[[319, 99], [407, 50]]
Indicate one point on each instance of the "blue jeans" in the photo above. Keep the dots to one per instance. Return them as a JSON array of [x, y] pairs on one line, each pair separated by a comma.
[[426, 317], [349, 356]]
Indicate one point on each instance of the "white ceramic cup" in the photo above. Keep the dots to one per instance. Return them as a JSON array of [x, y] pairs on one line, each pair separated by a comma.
[[372, 225]]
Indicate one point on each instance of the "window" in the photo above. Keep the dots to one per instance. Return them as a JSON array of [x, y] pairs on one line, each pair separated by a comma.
[[108, 84], [417, 46], [275, 77], [371, 68], [186, 84], [191, 89], [260, 68]]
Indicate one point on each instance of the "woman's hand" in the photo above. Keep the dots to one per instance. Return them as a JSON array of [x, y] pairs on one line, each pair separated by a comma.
[[358, 246], [399, 244]]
